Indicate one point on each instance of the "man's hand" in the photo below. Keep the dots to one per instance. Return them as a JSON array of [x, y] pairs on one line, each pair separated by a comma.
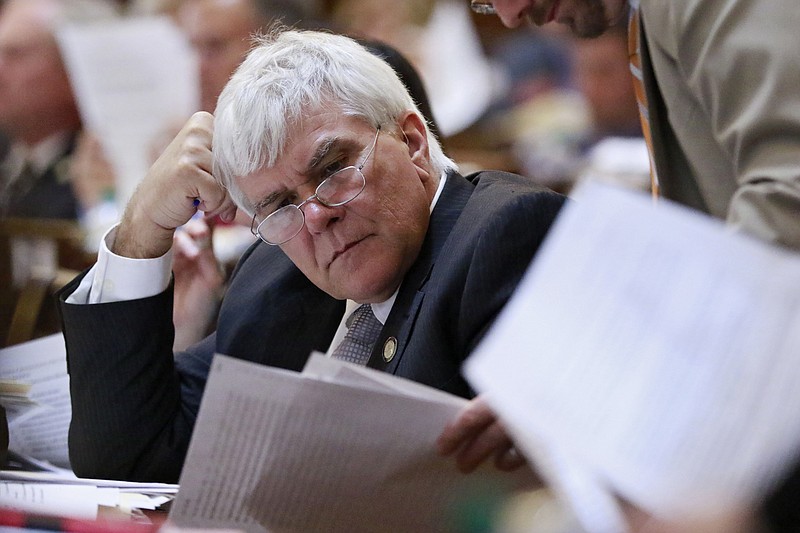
[[474, 436], [199, 283], [176, 186]]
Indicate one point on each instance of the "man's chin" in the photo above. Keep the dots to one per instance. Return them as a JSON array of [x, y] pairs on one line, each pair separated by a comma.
[[363, 293]]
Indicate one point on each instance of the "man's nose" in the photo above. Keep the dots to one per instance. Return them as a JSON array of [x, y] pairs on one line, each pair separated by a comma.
[[320, 217]]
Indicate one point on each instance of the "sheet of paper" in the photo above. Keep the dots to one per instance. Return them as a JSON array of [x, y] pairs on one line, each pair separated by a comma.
[[276, 450], [134, 79], [39, 429], [79, 499], [68, 478], [655, 352], [323, 367], [63, 494], [60, 500]]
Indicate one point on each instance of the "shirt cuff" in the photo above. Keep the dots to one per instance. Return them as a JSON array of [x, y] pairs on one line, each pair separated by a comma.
[[115, 278]]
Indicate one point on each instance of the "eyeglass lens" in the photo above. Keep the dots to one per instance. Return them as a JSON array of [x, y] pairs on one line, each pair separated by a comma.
[[338, 189], [482, 7]]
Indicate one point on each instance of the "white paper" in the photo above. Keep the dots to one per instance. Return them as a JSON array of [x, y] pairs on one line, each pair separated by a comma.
[[63, 494], [68, 478], [655, 352], [61, 500], [78, 498], [133, 79], [39, 430], [326, 368], [280, 451]]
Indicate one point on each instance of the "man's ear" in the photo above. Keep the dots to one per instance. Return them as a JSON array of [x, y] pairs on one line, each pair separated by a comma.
[[413, 129]]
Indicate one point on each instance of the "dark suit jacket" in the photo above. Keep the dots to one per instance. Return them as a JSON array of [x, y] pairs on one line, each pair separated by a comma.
[[51, 196], [134, 409]]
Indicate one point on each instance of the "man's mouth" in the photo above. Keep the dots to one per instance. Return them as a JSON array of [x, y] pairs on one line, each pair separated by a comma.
[[338, 253]]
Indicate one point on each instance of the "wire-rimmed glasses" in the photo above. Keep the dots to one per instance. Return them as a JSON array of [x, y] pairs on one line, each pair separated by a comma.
[[339, 188], [483, 7]]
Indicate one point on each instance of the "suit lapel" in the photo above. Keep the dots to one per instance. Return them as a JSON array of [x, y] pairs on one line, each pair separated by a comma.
[[401, 321]]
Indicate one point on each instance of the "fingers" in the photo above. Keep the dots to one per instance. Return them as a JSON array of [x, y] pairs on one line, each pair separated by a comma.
[[176, 186], [490, 442], [472, 420], [475, 435], [226, 210], [185, 246]]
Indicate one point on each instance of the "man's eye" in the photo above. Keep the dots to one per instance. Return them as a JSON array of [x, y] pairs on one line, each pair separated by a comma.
[[332, 168], [289, 200]]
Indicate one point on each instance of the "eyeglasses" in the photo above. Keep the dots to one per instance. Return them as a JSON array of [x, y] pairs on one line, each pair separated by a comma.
[[339, 188], [483, 7]]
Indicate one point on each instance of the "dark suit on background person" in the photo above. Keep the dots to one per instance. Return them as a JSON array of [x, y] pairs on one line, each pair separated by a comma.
[[49, 194], [133, 411]]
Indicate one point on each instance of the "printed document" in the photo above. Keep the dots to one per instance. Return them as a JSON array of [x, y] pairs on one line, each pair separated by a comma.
[[334, 449]]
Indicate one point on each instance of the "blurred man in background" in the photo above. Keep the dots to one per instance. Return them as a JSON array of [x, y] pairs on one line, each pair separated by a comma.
[[40, 121], [37, 112], [220, 32]]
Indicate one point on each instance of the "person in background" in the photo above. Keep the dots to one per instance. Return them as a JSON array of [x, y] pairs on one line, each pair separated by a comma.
[[40, 124], [736, 158], [38, 112], [425, 256], [614, 150], [220, 32], [601, 70]]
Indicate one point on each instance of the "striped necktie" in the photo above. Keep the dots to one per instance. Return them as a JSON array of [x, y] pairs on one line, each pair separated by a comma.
[[363, 329], [635, 55]]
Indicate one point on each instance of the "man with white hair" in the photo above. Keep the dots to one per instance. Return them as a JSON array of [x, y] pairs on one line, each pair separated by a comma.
[[353, 200]]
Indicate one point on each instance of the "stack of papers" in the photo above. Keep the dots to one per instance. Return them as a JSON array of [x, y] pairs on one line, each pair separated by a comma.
[[64, 495], [36, 398], [650, 353], [337, 448], [34, 390]]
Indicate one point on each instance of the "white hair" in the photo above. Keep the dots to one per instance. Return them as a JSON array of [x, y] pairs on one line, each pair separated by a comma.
[[289, 73]]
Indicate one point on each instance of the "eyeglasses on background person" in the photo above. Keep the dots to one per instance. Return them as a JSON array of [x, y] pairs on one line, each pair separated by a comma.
[[339, 188], [483, 7]]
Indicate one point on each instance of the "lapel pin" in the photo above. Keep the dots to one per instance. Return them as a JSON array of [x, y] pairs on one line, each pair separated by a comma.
[[389, 349]]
